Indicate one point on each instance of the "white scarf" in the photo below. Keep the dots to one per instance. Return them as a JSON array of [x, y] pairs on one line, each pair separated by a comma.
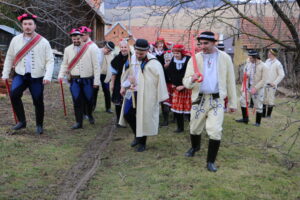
[[179, 63]]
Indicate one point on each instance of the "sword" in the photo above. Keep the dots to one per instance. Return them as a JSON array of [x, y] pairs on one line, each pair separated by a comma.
[[196, 69], [63, 97], [8, 91]]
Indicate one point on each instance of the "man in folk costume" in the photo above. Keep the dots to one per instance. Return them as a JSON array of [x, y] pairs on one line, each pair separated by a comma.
[[105, 75], [30, 55], [145, 87], [81, 63], [255, 72], [181, 100], [208, 96], [86, 37], [275, 75], [117, 67]]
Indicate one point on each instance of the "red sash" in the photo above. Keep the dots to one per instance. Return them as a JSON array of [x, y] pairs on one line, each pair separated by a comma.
[[26, 48], [75, 60]]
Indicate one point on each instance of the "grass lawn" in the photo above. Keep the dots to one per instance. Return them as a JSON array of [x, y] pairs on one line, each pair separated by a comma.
[[252, 164], [31, 167], [249, 165]]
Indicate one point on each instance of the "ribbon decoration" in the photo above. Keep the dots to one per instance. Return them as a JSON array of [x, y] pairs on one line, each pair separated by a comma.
[[244, 88], [63, 97], [26, 15], [8, 91], [196, 69]]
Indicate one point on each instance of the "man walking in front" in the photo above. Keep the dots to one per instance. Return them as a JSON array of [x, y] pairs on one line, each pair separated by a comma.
[[30, 55]]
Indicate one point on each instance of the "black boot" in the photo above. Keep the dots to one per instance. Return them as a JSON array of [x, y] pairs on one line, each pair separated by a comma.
[[213, 148], [39, 129], [165, 113], [77, 126], [196, 142], [258, 119], [19, 126], [270, 109], [91, 119], [264, 110], [180, 123], [245, 118], [118, 109], [142, 144]]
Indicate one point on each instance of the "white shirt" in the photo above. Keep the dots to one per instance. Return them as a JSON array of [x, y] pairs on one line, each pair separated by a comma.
[[210, 73], [136, 67], [252, 73], [28, 58]]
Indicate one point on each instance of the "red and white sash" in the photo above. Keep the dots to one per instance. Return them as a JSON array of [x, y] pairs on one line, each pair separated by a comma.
[[26, 48], [75, 60]]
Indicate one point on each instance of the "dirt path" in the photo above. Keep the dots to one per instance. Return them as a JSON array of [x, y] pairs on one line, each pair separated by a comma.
[[78, 176]]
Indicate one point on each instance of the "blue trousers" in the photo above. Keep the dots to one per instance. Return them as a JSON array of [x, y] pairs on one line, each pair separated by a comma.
[[19, 85], [130, 117], [82, 95]]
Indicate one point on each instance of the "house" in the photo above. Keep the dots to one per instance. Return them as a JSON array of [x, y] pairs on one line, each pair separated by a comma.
[[118, 31], [251, 37], [6, 35]]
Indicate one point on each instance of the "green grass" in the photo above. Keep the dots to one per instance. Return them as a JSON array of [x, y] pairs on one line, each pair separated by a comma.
[[31, 167], [247, 168], [251, 166]]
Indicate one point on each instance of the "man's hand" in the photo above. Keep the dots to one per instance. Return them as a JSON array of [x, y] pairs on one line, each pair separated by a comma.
[[60, 80], [179, 88], [46, 82], [131, 80], [253, 90], [4, 79], [122, 91], [95, 86], [195, 77]]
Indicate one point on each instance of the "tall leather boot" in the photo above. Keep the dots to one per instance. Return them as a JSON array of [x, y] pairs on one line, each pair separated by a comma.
[[19, 109], [142, 144], [165, 113], [196, 143], [264, 110], [180, 123], [118, 112], [270, 109], [258, 119], [78, 116], [245, 118], [213, 148]]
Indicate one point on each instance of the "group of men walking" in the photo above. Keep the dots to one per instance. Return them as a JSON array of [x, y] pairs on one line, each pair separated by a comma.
[[153, 76]]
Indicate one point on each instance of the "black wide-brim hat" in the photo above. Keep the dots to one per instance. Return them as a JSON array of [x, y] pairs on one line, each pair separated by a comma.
[[110, 45], [207, 35], [142, 45]]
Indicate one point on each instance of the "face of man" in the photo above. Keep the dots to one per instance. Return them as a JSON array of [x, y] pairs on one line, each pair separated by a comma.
[[85, 37], [207, 46], [76, 39], [28, 26], [270, 55], [160, 46], [140, 55], [124, 49], [252, 59], [177, 55], [107, 51]]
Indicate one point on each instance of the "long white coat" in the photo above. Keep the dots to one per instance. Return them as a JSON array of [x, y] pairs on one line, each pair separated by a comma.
[[152, 90]]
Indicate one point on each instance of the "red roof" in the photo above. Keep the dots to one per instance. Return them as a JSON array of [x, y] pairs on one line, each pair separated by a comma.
[[273, 25], [150, 33]]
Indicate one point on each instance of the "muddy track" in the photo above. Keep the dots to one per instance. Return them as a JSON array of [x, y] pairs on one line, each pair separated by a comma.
[[78, 176]]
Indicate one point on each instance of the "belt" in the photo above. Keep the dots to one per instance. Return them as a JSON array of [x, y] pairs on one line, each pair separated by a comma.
[[214, 96], [76, 77]]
